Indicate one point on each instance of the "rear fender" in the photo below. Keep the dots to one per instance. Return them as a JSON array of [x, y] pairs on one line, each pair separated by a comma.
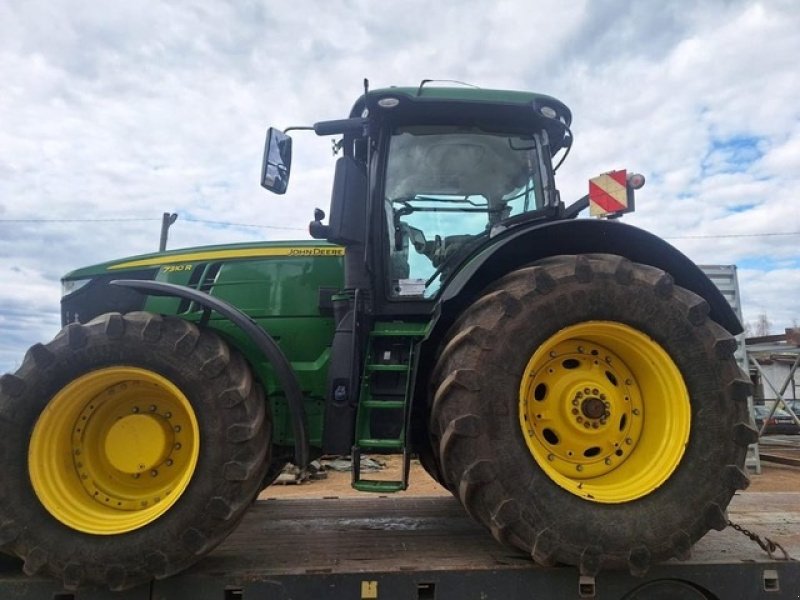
[[518, 247]]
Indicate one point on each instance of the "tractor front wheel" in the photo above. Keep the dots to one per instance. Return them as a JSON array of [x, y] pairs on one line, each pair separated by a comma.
[[131, 446], [587, 411]]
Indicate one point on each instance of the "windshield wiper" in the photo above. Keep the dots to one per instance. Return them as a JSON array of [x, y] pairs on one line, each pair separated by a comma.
[[458, 200]]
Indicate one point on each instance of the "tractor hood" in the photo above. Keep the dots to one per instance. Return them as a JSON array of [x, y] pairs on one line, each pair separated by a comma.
[[248, 250], [239, 273]]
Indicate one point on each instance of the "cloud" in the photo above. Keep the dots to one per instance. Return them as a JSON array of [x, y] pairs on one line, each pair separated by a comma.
[[115, 111]]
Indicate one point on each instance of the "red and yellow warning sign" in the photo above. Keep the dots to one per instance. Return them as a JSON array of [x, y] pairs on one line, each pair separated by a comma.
[[608, 193]]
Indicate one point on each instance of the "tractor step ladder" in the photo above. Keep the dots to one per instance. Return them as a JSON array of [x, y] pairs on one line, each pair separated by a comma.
[[384, 402]]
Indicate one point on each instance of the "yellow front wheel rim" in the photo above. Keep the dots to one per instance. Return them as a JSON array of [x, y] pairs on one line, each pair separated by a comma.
[[604, 411], [113, 450]]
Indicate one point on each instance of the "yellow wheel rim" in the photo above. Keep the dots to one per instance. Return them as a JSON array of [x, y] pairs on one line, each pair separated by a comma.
[[113, 450], [604, 411]]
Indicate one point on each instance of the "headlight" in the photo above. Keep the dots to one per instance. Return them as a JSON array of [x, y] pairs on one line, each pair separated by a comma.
[[68, 286]]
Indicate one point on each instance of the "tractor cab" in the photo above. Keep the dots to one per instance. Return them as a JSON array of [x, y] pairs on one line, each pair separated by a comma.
[[428, 175]]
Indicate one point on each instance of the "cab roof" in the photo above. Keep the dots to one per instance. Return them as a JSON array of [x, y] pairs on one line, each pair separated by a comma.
[[434, 104]]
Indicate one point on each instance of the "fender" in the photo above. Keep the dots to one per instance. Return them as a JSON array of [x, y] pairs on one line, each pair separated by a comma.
[[517, 247], [263, 341]]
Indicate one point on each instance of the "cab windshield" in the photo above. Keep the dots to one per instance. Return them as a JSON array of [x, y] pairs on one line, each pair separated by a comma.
[[447, 189]]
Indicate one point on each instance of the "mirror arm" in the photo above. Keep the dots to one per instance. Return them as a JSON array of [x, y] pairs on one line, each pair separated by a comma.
[[298, 128], [356, 126]]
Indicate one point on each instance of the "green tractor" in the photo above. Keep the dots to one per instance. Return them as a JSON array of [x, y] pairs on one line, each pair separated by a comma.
[[570, 380]]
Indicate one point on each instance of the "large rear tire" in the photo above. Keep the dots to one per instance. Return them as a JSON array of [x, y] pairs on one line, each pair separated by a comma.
[[587, 411], [131, 446]]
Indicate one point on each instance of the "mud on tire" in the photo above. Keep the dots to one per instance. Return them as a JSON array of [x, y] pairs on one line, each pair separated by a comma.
[[486, 458], [233, 430]]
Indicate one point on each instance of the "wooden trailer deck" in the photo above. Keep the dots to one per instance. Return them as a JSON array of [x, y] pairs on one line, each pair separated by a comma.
[[426, 548]]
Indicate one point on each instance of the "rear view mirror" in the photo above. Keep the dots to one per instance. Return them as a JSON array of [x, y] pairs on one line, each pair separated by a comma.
[[277, 161]]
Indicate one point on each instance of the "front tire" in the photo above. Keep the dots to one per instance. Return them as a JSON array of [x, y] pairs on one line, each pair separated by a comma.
[[587, 411], [132, 445]]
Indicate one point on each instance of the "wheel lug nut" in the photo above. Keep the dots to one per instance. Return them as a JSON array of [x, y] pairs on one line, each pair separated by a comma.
[[553, 354], [580, 419], [628, 441], [595, 425], [575, 402], [154, 473], [628, 382], [136, 475], [608, 359], [167, 415], [595, 391], [580, 349], [550, 457], [587, 391], [636, 411], [574, 411], [177, 446], [170, 462], [579, 395], [587, 424], [579, 467], [135, 409], [152, 408], [607, 461], [603, 397], [177, 428]]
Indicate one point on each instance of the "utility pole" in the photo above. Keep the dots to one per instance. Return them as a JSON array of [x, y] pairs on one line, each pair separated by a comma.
[[167, 219]]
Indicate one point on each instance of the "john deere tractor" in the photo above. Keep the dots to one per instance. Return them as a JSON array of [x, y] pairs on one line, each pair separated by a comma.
[[570, 380]]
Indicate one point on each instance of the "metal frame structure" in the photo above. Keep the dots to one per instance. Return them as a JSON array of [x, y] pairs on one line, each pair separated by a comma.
[[788, 345]]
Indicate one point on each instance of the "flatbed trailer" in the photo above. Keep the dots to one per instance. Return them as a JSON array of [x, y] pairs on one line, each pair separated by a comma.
[[425, 548]]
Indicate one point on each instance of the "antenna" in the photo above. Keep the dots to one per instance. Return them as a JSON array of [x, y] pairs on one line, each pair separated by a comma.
[[464, 83]]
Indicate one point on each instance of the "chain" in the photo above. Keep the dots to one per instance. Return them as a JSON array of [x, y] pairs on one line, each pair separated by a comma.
[[767, 545]]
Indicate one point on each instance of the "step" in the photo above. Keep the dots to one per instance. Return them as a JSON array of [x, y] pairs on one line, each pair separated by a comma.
[[408, 330], [366, 443], [383, 404], [373, 485], [378, 367]]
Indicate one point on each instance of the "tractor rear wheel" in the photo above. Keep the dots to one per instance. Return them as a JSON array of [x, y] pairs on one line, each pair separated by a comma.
[[131, 446], [587, 411]]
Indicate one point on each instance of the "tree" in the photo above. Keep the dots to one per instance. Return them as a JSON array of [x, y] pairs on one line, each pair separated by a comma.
[[763, 325]]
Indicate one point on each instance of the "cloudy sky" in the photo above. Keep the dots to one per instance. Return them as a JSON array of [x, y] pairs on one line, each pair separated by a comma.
[[112, 113]]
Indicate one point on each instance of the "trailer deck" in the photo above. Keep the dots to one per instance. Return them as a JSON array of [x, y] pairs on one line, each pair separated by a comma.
[[425, 548]]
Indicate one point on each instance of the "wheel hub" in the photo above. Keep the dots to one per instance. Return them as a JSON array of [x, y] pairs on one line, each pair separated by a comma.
[[582, 411], [134, 441], [593, 408]]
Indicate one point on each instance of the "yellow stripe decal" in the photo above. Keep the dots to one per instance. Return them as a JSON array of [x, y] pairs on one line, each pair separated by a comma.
[[310, 251]]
